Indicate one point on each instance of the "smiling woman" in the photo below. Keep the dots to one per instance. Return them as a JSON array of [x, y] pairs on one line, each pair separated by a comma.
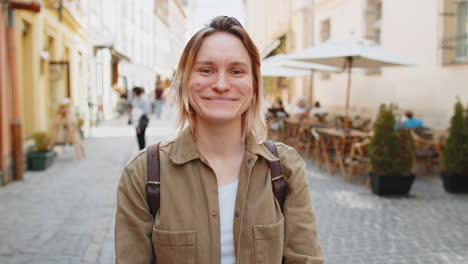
[[217, 203], [223, 59]]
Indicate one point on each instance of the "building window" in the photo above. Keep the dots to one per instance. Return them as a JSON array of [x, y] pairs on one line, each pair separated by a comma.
[[325, 30], [454, 42], [462, 29], [373, 16], [373, 31], [378, 11]]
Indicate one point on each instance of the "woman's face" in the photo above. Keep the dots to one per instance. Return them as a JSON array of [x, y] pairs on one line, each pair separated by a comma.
[[221, 81]]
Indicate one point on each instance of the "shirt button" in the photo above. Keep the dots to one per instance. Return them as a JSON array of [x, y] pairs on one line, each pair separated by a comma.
[[237, 213], [213, 213], [249, 160]]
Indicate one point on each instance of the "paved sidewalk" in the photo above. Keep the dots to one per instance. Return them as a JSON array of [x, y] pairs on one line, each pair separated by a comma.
[[66, 214], [356, 226]]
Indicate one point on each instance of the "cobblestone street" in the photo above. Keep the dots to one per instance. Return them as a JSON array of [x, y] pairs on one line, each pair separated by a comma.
[[66, 214]]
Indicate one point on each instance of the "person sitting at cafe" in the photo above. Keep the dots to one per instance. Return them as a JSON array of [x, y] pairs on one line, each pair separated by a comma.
[[277, 110], [318, 112], [410, 122], [300, 110]]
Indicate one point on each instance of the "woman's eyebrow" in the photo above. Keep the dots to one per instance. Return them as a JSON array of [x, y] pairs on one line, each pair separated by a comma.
[[210, 63], [239, 64]]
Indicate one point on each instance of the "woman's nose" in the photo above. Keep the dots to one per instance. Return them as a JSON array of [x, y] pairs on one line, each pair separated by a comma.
[[222, 84]]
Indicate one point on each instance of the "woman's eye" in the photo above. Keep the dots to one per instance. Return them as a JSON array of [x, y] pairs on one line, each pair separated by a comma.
[[205, 70], [237, 71]]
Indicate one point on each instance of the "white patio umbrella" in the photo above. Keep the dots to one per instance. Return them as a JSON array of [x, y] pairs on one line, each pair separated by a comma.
[[280, 71], [351, 52], [284, 61]]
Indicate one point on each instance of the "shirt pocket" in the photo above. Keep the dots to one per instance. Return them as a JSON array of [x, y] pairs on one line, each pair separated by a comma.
[[174, 247], [269, 242]]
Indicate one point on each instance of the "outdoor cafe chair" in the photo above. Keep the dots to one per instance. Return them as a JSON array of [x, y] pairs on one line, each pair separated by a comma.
[[291, 134], [358, 158], [426, 151], [314, 144]]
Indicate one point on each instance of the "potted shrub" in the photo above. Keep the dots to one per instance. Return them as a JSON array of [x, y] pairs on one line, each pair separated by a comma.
[[43, 155], [454, 158], [391, 155]]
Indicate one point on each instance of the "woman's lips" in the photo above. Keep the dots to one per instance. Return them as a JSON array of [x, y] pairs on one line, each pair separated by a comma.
[[220, 98]]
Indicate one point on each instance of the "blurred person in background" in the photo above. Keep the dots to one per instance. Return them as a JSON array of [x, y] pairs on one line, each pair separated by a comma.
[[140, 109], [318, 112], [158, 100], [277, 109], [410, 122], [300, 110], [276, 112], [217, 204]]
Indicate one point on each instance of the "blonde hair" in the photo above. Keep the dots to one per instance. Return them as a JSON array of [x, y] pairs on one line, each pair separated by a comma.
[[253, 119]]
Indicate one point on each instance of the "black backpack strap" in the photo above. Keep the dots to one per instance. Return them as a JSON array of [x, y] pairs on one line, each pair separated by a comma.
[[278, 181], [153, 193]]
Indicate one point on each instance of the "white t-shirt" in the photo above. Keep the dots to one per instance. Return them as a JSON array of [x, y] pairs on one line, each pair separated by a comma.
[[227, 201]]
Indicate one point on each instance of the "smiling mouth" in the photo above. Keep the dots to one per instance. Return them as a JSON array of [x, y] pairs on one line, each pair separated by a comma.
[[220, 99]]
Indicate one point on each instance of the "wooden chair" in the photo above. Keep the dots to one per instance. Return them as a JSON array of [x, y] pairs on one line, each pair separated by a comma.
[[425, 150], [358, 158], [313, 144], [326, 152], [291, 132]]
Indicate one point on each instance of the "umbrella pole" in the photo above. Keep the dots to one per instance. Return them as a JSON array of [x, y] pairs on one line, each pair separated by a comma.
[[311, 89], [346, 123]]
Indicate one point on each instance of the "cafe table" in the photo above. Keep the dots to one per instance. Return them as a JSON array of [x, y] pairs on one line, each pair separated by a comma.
[[339, 139]]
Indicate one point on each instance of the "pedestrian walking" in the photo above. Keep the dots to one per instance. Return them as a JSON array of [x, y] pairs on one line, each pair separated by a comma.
[[158, 100], [140, 110], [221, 194]]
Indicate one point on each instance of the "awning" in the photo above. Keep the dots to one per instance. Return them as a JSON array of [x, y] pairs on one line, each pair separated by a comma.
[[116, 55]]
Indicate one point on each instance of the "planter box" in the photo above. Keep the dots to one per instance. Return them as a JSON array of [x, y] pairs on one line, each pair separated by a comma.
[[391, 184], [38, 161], [455, 183]]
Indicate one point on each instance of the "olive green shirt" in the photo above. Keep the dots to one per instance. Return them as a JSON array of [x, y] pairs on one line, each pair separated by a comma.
[[187, 226]]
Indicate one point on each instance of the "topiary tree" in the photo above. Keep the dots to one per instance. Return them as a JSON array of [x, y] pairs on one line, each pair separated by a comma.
[[383, 145], [405, 152], [391, 152], [455, 153]]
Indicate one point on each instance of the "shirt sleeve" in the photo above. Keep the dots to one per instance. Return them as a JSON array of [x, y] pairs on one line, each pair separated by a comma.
[[133, 221], [301, 242]]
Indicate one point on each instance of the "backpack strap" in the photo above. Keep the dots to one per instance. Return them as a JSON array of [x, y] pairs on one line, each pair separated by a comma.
[[153, 193], [278, 181]]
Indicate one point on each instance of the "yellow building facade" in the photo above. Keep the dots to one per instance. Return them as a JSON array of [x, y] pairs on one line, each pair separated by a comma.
[[282, 27], [52, 50]]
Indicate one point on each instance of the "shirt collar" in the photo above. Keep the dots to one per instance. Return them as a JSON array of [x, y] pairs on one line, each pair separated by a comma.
[[186, 150]]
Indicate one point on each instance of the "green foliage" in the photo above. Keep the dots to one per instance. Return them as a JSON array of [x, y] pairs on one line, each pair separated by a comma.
[[391, 152], [405, 152], [42, 141], [455, 152]]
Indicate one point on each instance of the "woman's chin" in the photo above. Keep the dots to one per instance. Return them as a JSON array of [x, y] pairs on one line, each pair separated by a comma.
[[219, 118]]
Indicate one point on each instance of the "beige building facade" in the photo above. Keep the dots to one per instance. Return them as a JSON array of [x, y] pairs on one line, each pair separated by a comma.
[[430, 33]]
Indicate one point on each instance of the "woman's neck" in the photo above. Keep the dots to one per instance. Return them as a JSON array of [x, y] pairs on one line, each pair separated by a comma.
[[219, 139]]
